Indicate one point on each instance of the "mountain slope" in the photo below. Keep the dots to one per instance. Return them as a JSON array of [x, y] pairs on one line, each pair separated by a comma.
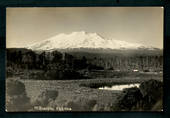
[[82, 40]]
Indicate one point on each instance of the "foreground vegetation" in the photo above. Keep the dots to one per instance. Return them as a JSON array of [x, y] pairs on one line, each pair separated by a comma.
[[79, 95]]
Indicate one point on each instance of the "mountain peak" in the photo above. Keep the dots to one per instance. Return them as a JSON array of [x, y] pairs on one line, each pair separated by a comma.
[[82, 39], [80, 32]]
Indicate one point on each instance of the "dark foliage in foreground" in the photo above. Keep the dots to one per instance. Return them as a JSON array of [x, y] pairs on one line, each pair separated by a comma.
[[46, 97], [145, 98], [16, 97]]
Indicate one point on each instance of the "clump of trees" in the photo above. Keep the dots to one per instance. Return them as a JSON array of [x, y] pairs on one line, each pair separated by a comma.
[[54, 65], [28, 59], [61, 65], [124, 63]]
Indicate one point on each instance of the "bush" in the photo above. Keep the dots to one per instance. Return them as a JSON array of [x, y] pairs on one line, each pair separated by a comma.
[[128, 99], [45, 98], [16, 97], [152, 92], [152, 88], [81, 104], [147, 97], [14, 87]]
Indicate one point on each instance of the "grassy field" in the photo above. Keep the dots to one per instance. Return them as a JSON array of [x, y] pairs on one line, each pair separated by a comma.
[[79, 95]]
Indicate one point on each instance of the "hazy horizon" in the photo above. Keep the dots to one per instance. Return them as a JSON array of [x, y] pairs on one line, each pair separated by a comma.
[[143, 25]]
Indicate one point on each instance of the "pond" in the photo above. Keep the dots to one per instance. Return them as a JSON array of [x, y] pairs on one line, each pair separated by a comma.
[[119, 87]]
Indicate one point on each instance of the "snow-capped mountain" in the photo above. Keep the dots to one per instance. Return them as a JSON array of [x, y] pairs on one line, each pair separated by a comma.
[[82, 40]]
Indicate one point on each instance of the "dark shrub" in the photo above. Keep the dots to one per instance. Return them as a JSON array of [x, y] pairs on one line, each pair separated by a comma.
[[14, 87], [152, 92], [46, 97], [88, 106], [152, 88], [147, 97], [16, 97], [128, 99]]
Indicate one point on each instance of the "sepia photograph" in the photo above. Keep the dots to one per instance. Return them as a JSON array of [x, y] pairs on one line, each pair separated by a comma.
[[77, 59]]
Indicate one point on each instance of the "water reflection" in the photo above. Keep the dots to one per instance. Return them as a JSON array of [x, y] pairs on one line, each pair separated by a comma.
[[120, 87]]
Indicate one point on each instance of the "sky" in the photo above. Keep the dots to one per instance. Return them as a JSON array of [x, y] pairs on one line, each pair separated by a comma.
[[27, 25]]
